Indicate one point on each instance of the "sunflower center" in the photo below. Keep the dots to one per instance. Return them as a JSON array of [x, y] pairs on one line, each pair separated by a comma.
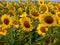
[[26, 24], [41, 2], [15, 22], [48, 19], [34, 13], [42, 29], [59, 15], [6, 21]]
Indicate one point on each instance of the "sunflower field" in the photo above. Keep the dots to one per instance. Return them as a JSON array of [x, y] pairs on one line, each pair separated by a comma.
[[30, 22]]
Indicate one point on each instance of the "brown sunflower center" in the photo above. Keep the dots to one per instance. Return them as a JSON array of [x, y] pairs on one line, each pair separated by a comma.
[[26, 24], [41, 2], [34, 13], [48, 19], [42, 29], [15, 22], [6, 21], [59, 15]]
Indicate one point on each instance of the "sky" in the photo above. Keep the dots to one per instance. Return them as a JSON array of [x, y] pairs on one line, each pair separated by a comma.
[[24, 0]]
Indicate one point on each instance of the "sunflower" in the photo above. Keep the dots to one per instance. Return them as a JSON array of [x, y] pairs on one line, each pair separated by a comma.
[[50, 4], [10, 6], [20, 9], [24, 14], [41, 29], [40, 2], [15, 4], [2, 31], [34, 13], [1, 4], [58, 5], [48, 19], [15, 22], [43, 8], [26, 24], [55, 8], [11, 12], [58, 15], [6, 20]]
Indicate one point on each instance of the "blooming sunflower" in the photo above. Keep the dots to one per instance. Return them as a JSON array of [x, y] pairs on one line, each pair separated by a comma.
[[2, 31], [26, 24], [6, 20], [58, 15], [20, 9], [10, 6], [11, 12], [58, 5], [1, 4], [24, 14], [26, 1], [55, 8], [15, 22], [43, 8], [50, 4], [48, 19], [41, 29], [34, 13], [40, 2]]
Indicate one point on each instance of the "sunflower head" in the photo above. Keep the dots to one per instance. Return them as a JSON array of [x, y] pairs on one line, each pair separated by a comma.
[[58, 15], [20, 9], [1, 4], [55, 8], [34, 13], [24, 14], [10, 6], [2, 31], [26, 24], [40, 2], [41, 29], [6, 20], [43, 8], [15, 23], [48, 19]]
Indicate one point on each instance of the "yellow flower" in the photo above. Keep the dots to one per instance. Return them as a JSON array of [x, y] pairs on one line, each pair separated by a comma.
[[15, 4], [20, 9], [2, 31], [58, 15], [50, 5], [11, 12], [26, 24], [15, 22], [48, 19], [6, 20], [43, 8], [24, 14], [55, 40], [34, 13], [59, 5], [55, 8], [40, 2], [10, 6], [41, 29], [1, 4]]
